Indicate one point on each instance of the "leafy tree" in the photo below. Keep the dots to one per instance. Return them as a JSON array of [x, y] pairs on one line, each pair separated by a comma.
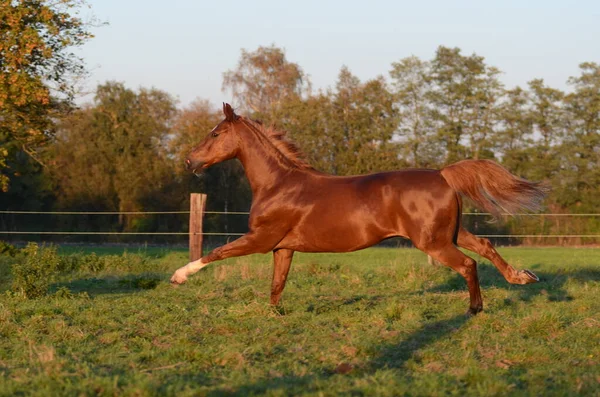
[[346, 131], [514, 137], [263, 80], [37, 71], [465, 96], [411, 83], [362, 125], [307, 121], [113, 155], [547, 117], [580, 151]]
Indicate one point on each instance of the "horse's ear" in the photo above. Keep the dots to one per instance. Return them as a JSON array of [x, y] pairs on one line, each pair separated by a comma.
[[229, 113]]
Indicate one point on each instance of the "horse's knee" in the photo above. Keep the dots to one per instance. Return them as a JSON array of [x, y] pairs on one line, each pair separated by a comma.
[[468, 268]]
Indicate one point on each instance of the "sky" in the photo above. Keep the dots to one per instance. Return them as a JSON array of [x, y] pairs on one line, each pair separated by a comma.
[[184, 46]]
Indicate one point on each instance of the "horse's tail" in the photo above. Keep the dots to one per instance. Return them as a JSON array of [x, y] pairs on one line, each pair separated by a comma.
[[493, 188]]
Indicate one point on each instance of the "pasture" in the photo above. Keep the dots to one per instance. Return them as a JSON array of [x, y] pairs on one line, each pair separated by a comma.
[[375, 322]]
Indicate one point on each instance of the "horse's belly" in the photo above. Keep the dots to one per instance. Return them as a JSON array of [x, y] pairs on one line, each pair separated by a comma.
[[336, 233]]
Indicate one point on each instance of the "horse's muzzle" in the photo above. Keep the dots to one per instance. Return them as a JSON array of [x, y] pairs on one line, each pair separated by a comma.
[[194, 166]]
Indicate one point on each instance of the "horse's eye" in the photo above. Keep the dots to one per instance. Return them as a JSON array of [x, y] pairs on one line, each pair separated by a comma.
[[215, 134]]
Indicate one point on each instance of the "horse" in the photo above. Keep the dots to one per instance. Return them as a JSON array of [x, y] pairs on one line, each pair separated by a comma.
[[297, 208]]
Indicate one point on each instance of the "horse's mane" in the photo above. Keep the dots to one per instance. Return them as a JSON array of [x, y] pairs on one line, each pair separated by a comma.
[[286, 147]]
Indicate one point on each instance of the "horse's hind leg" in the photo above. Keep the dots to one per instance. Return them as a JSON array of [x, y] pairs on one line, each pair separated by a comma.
[[450, 256], [483, 247]]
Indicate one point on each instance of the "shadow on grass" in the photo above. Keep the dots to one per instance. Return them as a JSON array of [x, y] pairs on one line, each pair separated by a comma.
[[551, 284], [394, 355], [388, 356], [113, 284]]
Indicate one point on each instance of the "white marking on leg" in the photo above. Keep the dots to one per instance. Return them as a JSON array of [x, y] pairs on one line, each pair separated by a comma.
[[180, 276], [194, 266]]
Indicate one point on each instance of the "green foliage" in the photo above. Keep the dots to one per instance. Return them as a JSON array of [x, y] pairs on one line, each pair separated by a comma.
[[124, 149], [8, 249], [39, 267], [93, 263], [349, 130], [64, 293], [37, 76], [33, 275], [82, 263], [411, 87]]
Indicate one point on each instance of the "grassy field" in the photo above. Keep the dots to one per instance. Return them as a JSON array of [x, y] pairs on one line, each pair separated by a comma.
[[376, 322]]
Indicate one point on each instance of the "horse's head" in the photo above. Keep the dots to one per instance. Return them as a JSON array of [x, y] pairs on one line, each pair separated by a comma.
[[219, 145]]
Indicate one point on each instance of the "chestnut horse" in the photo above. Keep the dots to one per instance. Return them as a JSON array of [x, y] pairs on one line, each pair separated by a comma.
[[297, 208]]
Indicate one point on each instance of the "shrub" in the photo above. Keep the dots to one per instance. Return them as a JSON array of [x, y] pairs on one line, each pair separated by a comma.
[[64, 293], [125, 262], [81, 262], [8, 249], [32, 276]]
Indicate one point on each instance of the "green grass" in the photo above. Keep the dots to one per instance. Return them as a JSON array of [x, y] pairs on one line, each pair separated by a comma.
[[375, 322]]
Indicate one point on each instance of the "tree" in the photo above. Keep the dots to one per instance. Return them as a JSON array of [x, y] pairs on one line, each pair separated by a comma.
[[37, 69], [547, 117], [411, 83], [307, 122], [363, 120], [580, 151], [465, 95], [113, 155], [263, 80], [514, 138], [346, 131]]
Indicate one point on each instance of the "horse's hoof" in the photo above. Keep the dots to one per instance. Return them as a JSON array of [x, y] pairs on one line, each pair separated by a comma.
[[528, 277], [177, 279], [473, 311]]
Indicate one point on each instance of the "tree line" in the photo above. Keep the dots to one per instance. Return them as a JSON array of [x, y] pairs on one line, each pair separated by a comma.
[[124, 150]]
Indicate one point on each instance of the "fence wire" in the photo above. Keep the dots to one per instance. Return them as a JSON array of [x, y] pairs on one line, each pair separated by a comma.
[[16, 232]]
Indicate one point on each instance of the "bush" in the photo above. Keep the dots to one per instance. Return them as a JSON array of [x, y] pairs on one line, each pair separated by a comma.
[[8, 249], [126, 262], [94, 264], [32, 276], [81, 262], [40, 265]]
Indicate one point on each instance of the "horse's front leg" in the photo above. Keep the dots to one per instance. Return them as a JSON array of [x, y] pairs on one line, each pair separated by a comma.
[[282, 259], [250, 243]]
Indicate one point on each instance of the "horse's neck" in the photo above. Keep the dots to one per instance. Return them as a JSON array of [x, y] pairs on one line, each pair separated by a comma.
[[263, 166]]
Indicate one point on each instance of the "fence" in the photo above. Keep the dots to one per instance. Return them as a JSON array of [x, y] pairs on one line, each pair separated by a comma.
[[196, 231]]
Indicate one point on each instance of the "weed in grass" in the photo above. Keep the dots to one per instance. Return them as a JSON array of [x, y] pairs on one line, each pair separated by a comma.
[[34, 273], [8, 249]]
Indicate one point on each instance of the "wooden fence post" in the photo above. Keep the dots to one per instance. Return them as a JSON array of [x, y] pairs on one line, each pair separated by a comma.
[[197, 206]]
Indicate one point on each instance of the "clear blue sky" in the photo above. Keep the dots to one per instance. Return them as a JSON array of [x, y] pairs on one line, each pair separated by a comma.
[[184, 46]]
